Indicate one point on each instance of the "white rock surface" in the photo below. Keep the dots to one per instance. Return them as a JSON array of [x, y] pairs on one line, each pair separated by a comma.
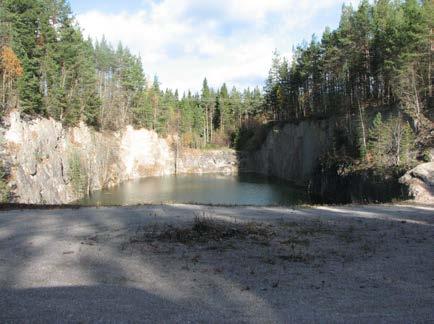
[[420, 182], [38, 154], [144, 153], [207, 161]]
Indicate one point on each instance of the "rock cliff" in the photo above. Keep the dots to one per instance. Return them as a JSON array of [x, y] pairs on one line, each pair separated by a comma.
[[291, 152], [207, 161], [48, 163], [420, 182], [51, 164]]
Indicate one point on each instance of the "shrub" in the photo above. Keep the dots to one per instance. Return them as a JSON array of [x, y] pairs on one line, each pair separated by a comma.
[[77, 174], [4, 188], [251, 136], [426, 156]]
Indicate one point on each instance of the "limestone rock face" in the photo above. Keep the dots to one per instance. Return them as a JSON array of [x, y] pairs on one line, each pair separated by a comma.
[[44, 158], [207, 161], [291, 152], [39, 153], [35, 155], [143, 154], [420, 182]]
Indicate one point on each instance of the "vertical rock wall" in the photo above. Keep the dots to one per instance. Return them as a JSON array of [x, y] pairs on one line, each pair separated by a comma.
[[207, 161], [52, 164], [291, 152]]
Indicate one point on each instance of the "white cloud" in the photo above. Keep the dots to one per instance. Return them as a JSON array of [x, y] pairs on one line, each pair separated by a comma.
[[229, 40]]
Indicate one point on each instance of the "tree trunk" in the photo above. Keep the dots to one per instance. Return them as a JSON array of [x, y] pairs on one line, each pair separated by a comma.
[[362, 124], [4, 88], [416, 97]]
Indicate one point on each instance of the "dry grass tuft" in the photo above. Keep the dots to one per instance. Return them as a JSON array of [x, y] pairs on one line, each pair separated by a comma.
[[203, 230]]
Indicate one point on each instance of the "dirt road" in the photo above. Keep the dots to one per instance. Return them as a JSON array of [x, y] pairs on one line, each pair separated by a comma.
[[186, 263]]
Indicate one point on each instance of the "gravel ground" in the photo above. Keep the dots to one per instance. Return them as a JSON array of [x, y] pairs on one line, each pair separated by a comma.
[[186, 263]]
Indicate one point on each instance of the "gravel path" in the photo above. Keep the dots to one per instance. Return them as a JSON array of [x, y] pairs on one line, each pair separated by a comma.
[[160, 263]]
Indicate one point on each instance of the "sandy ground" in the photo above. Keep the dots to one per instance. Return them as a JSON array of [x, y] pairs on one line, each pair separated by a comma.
[[365, 264]]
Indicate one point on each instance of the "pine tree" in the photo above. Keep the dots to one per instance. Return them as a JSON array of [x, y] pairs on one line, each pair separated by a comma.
[[23, 16], [376, 140]]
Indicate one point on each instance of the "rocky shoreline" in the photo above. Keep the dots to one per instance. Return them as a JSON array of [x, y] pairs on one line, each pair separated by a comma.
[[50, 164]]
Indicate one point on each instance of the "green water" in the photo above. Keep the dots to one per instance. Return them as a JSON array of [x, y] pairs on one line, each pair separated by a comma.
[[243, 189]]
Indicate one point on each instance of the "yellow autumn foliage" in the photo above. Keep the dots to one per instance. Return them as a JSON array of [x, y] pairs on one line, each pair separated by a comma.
[[10, 65]]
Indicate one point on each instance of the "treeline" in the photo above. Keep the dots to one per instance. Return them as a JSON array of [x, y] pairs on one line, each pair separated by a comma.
[[48, 69], [377, 61]]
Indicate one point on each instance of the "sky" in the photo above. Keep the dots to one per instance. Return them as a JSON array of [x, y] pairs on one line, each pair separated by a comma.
[[183, 41]]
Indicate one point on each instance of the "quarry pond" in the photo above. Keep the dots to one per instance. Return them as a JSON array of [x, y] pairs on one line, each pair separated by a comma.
[[219, 189]]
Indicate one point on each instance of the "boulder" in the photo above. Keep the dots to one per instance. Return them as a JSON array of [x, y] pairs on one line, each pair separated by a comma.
[[420, 182]]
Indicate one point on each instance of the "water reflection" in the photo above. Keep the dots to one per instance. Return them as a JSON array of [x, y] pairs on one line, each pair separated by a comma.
[[243, 189]]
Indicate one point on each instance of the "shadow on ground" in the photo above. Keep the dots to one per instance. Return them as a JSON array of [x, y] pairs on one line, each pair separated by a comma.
[[369, 263]]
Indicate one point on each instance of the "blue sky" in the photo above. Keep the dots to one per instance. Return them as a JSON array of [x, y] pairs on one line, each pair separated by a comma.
[[108, 6], [225, 40]]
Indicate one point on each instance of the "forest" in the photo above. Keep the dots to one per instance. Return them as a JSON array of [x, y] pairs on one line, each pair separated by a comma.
[[48, 69], [373, 74]]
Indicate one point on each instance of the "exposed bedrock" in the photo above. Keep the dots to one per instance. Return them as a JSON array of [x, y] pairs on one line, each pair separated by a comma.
[[292, 151], [420, 182], [51, 164], [48, 163]]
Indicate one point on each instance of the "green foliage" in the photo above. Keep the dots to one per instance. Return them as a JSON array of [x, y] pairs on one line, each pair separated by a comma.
[[426, 156], [378, 58], [251, 136], [390, 142], [77, 174], [376, 139], [378, 55], [361, 136], [72, 79], [59, 72], [404, 139], [4, 188]]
